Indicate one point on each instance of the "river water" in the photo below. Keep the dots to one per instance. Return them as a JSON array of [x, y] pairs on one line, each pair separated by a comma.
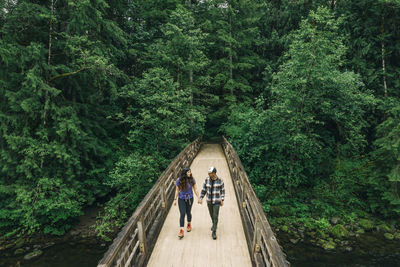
[[61, 255], [371, 250]]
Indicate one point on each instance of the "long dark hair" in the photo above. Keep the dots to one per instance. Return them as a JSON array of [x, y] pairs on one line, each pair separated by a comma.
[[184, 179]]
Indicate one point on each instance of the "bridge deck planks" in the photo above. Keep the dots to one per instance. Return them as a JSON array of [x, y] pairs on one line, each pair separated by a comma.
[[197, 248]]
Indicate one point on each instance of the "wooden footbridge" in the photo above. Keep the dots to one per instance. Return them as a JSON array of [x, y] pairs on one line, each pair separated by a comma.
[[245, 238]]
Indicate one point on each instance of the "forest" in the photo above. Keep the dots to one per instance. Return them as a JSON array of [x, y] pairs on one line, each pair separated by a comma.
[[98, 96]]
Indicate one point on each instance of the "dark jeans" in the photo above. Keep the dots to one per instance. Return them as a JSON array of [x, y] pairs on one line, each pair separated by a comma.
[[185, 208], [213, 209]]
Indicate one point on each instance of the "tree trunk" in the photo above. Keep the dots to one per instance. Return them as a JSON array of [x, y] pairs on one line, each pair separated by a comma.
[[230, 48], [177, 77], [383, 49], [46, 98], [191, 82], [333, 4]]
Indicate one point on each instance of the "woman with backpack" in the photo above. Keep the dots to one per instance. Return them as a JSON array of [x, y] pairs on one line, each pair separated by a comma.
[[185, 184]]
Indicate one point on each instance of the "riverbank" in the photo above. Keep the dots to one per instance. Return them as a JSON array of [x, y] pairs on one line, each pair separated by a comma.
[[310, 242], [80, 246], [336, 233], [82, 253], [370, 249]]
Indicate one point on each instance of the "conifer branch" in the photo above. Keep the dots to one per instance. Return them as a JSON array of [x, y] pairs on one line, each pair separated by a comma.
[[66, 74]]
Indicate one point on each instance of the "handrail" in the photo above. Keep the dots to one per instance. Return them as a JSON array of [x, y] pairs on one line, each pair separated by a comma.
[[136, 240], [263, 246]]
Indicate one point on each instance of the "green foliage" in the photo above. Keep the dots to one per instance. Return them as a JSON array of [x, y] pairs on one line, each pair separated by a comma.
[[323, 224], [369, 25], [157, 107], [51, 204], [69, 110], [306, 91], [307, 147], [180, 51], [386, 175], [290, 144], [131, 178], [57, 84]]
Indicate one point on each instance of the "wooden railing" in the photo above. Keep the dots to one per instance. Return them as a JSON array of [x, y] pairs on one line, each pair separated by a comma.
[[263, 246], [134, 243]]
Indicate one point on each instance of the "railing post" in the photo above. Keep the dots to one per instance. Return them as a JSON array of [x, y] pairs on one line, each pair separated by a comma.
[[142, 237], [244, 191], [174, 171], [163, 196], [192, 149], [256, 241]]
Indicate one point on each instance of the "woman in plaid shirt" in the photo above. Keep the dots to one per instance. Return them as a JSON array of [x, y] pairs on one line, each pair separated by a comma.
[[214, 188]]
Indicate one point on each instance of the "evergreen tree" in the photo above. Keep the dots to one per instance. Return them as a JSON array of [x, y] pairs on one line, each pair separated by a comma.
[[316, 117], [156, 106], [384, 195], [58, 81], [373, 27], [86, 85], [232, 40], [180, 51]]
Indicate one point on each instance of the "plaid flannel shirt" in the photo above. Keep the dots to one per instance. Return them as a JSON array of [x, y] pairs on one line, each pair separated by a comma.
[[218, 193]]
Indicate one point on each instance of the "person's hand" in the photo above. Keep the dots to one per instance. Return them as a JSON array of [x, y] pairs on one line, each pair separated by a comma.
[[200, 201], [174, 202], [222, 203]]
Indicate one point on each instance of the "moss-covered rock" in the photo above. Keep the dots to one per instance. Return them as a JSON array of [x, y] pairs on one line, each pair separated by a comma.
[[334, 220], [19, 243], [19, 251], [348, 249], [9, 245], [389, 236], [366, 224], [285, 228], [344, 243], [339, 231], [321, 234], [33, 254], [384, 228], [301, 232], [312, 234], [397, 235], [328, 245], [360, 231]]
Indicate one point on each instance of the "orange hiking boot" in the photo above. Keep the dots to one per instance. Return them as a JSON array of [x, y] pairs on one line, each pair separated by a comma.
[[189, 227], [180, 235]]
